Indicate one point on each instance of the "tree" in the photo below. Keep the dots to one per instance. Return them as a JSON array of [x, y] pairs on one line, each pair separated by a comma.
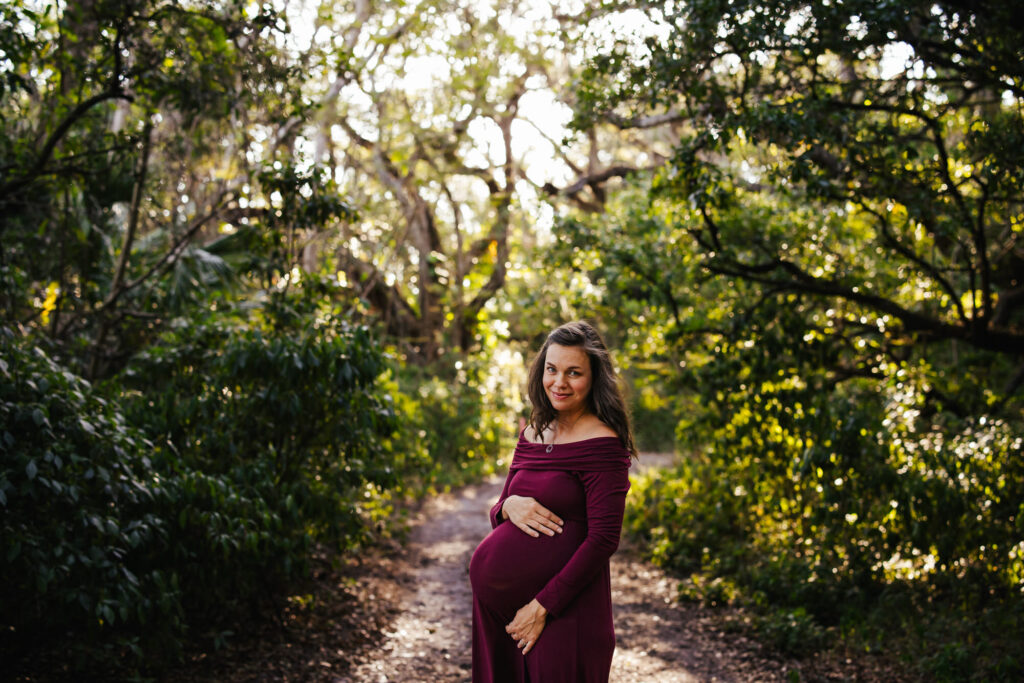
[[898, 125], [438, 120], [825, 279], [135, 136]]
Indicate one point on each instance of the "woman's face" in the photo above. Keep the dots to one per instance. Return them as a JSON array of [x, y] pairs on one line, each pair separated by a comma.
[[567, 377]]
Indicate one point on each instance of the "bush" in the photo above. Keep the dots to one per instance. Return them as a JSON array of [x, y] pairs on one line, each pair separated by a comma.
[[455, 423], [82, 527], [192, 486], [820, 510], [279, 405]]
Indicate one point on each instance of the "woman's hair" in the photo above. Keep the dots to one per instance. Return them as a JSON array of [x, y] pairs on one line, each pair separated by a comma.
[[605, 397]]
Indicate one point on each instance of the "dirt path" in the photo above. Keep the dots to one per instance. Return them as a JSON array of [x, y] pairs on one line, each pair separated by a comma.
[[429, 639], [404, 615]]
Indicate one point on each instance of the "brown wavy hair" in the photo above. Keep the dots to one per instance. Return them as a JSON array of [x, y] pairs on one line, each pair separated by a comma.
[[605, 398]]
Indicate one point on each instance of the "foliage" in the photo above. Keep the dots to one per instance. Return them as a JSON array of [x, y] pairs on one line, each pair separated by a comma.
[[458, 425], [127, 137], [83, 517], [803, 107], [239, 442], [280, 396], [443, 121], [825, 276]]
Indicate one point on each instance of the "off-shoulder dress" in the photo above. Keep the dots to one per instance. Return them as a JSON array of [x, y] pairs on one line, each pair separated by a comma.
[[584, 483]]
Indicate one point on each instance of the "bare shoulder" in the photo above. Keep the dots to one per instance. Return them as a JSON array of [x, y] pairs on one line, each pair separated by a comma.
[[594, 428], [529, 433]]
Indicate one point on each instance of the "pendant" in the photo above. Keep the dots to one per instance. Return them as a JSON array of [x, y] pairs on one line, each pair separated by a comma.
[[549, 448]]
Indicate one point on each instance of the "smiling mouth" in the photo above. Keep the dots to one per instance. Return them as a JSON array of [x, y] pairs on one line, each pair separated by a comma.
[[558, 395]]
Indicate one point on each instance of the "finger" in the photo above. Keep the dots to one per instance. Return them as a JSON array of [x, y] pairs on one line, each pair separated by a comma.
[[548, 514], [546, 529], [525, 526], [542, 511], [544, 523], [555, 528], [529, 646], [549, 527]]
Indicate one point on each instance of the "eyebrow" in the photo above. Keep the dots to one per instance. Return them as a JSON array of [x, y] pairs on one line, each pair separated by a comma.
[[571, 367]]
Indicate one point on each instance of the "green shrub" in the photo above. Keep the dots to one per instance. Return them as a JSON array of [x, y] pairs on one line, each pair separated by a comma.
[[654, 422], [791, 631], [279, 404], [457, 425], [829, 510], [82, 528], [194, 485]]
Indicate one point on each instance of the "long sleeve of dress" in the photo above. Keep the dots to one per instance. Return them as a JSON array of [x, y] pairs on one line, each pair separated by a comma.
[[496, 517], [606, 501]]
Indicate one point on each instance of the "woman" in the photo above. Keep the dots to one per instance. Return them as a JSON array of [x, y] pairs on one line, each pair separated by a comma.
[[541, 588]]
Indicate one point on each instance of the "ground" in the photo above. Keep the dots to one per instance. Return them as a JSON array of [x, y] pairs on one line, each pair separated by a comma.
[[403, 614]]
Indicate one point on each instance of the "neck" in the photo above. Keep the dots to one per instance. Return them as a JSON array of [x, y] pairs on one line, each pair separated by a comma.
[[566, 420]]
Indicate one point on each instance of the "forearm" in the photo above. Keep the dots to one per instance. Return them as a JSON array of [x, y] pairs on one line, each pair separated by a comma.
[[606, 501], [581, 569], [497, 514]]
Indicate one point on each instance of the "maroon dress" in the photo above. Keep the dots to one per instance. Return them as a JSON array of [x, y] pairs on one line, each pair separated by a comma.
[[584, 483]]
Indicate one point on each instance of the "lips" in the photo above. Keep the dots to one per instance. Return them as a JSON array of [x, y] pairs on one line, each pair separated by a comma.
[[558, 396]]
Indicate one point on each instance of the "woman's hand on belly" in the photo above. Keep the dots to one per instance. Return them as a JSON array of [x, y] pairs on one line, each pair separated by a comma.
[[530, 516], [526, 628]]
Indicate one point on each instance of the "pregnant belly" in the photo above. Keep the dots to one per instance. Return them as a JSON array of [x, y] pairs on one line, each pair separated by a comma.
[[509, 567]]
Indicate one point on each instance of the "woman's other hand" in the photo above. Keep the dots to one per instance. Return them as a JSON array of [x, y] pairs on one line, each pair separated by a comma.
[[525, 629], [530, 516]]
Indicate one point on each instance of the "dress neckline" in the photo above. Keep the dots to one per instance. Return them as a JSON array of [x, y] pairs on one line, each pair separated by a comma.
[[593, 454], [522, 439]]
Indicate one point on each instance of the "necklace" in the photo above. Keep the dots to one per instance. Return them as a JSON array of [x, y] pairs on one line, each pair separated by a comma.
[[554, 432]]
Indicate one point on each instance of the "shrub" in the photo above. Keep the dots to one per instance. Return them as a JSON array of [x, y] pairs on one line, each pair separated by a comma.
[[453, 418], [822, 509], [81, 523], [163, 507], [278, 407]]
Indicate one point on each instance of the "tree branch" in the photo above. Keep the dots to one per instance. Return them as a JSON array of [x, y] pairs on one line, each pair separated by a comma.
[[651, 121], [992, 340], [46, 152]]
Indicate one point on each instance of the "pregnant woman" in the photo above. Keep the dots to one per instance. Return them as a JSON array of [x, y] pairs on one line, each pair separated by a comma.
[[542, 607]]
